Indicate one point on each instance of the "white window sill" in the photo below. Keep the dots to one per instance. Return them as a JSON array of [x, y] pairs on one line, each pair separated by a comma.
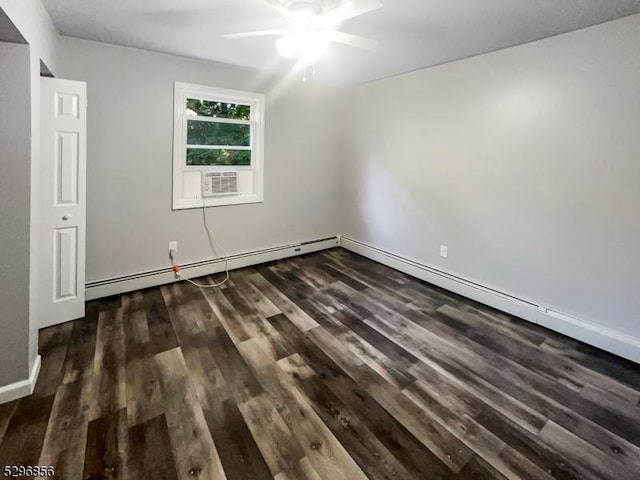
[[182, 204]]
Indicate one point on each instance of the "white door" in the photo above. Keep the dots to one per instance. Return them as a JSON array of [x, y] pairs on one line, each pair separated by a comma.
[[63, 158]]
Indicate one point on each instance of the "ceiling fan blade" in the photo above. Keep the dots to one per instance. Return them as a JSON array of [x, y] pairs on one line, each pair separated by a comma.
[[352, 40], [260, 33], [278, 5], [349, 9]]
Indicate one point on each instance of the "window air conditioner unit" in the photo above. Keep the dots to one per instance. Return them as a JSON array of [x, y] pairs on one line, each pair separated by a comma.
[[215, 184]]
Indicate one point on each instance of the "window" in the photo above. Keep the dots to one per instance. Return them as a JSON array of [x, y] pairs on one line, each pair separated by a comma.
[[218, 146]]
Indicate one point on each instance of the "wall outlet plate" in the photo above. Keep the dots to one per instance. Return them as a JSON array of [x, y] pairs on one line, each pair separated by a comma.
[[444, 251], [173, 246]]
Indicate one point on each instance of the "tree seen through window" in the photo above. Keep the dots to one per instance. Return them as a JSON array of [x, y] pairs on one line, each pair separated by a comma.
[[228, 142]]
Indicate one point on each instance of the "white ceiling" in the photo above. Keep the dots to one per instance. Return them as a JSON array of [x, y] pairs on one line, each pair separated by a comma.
[[411, 34]]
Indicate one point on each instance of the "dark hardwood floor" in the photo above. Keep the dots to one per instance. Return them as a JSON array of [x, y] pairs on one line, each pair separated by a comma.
[[326, 366]]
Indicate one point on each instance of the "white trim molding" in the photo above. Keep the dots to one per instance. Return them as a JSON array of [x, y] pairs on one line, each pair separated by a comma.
[[23, 388], [599, 336], [153, 278]]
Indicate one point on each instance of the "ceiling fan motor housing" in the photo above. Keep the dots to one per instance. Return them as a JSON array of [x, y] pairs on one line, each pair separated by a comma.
[[303, 12]]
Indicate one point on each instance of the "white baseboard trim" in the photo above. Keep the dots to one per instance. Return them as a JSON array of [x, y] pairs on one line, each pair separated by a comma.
[[20, 389], [480, 293], [599, 336], [138, 281]]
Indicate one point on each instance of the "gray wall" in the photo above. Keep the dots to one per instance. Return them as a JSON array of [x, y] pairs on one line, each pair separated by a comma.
[[129, 167], [15, 180], [8, 31], [34, 24], [525, 162], [31, 20]]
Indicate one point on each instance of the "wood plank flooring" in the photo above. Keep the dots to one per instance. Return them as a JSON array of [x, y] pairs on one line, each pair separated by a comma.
[[326, 366]]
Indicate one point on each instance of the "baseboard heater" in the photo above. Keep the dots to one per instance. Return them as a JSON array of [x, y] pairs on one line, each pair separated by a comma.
[[435, 271], [598, 335], [160, 276]]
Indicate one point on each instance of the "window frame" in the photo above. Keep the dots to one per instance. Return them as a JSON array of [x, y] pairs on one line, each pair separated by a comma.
[[256, 101]]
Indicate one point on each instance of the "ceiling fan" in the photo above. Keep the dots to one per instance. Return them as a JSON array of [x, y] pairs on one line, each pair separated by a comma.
[[312, 27]]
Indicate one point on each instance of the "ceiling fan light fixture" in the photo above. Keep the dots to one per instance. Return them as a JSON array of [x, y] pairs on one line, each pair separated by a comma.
[[306, 46]]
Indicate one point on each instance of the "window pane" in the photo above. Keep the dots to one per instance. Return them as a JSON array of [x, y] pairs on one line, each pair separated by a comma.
[[208, 133], [208, 108], [199, 156]]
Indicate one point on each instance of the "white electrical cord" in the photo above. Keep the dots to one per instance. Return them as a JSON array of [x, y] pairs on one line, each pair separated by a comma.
[[215, 248], [213, 285]]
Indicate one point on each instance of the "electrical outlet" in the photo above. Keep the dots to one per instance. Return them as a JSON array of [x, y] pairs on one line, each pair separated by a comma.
[[444, 251], [173, 247]]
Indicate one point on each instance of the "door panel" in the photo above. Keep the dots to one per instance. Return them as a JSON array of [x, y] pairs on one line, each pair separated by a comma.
[[67, 164], [63, 133], [67, 105], [66, 267]]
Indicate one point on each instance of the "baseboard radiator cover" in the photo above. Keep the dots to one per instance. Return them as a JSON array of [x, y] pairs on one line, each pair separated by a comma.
[[152, 278], [605, 338]]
